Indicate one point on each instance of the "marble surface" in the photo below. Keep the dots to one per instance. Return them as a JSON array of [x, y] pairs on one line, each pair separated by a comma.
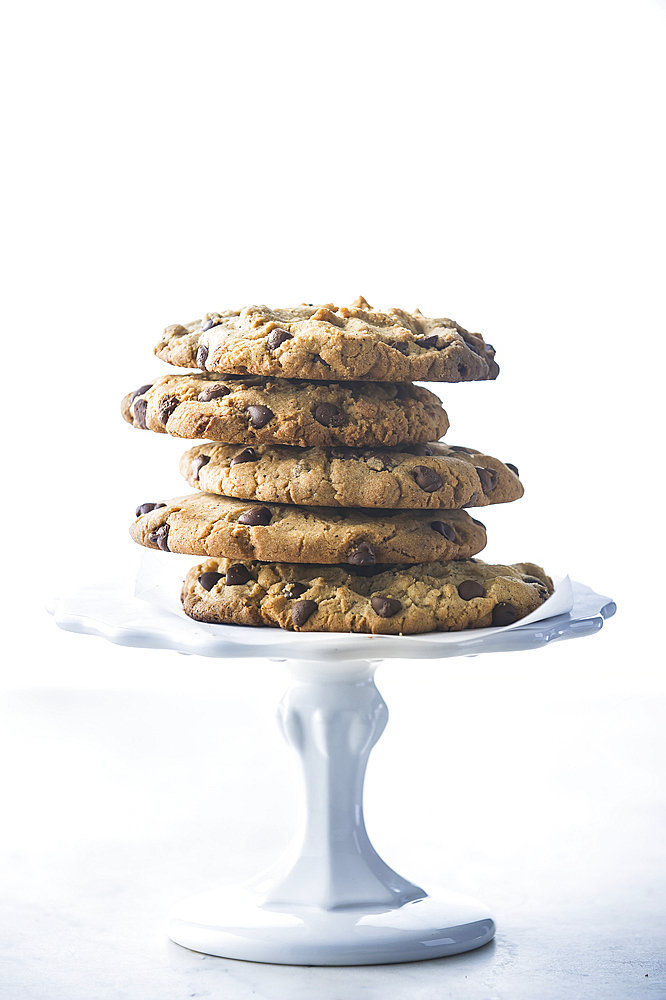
[[120, 801]]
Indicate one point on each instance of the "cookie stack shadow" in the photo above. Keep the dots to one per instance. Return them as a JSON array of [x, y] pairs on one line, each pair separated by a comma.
[[325, 500]]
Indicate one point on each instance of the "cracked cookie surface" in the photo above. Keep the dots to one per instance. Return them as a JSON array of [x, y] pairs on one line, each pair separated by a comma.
[[438, 596], [433, 476], [253, 409], [206, 524], [324, 342]]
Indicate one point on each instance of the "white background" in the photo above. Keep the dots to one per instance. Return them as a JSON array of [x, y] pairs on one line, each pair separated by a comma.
[[498, 163]]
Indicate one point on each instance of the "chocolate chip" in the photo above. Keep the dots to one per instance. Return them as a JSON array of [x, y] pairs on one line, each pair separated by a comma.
[[533, 579], [301, 466], [159, 537], [140, 408], [198, 464], [380, 456], [145, 508], [301, 611], [202, 354], [277, 337], [362, 555], [202, 426], [207, 325], [488, 477], [479, 523], [294, 590], [509, 465], [472, 501], [504, 614], [469, 589], [329, 415], [165, 408], [237, 575], [418, 449], [462, 370], [430, 341], [140, 392], [246, 455], [386, 607], [399, 345], [260, 415], [215, 391], [444, 529], [472, 346], [426, 478], [208, 580], [457, 447], [255, 516]]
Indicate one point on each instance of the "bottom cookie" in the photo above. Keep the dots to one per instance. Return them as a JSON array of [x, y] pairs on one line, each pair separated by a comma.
[[391, 600]]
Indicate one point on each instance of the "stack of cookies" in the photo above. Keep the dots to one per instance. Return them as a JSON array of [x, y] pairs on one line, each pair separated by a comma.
[[325, 500]]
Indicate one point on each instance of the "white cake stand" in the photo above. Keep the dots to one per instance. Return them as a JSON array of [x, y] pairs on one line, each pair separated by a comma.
[[330, 900]]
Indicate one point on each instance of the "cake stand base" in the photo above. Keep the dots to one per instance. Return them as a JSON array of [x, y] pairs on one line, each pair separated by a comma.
[[232, 923], [331, 899]]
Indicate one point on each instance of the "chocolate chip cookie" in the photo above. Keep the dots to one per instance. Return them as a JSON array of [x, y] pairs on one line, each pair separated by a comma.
[[207, 525], [432, 475], [436, 596], [327, 342], [252, 409]]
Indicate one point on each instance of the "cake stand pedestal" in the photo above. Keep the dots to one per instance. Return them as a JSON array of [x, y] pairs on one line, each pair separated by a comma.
[[330, 899]]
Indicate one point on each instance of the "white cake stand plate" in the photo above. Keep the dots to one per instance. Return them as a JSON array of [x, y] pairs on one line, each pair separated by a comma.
[[330, 900]]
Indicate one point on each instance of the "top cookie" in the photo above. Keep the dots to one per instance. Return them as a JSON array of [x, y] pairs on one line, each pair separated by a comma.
[[330, 342]]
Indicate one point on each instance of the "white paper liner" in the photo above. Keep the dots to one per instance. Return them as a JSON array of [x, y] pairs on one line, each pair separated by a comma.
[[160, 577]]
